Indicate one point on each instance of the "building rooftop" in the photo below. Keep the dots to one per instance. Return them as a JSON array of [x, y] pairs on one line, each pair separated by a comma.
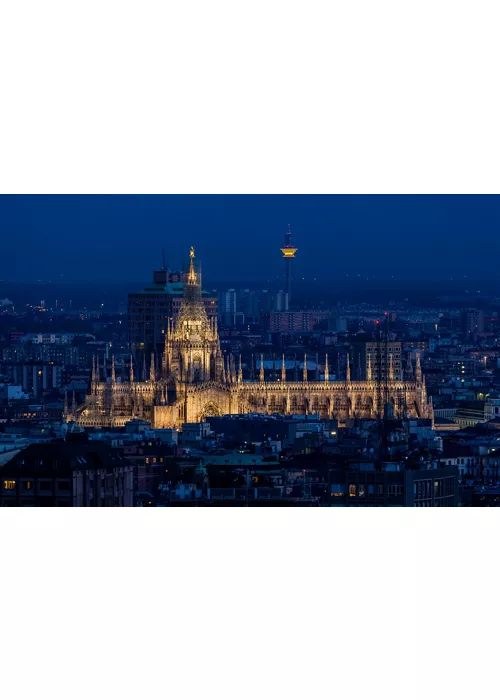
[[169, 289], [59, 457]]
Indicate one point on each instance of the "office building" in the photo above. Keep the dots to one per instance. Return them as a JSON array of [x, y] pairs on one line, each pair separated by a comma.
[[283, 321]]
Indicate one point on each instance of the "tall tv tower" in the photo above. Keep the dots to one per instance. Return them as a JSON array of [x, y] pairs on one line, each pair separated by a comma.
[[288, 254]]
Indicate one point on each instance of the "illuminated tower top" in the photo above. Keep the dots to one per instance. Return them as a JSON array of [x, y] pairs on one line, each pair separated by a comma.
[[288, 250]]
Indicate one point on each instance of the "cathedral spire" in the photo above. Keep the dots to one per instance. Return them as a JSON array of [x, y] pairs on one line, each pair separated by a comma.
[[369, 369], [240, 371], [192, 276], [283, 369], [113, 375], [304, 369], [327, 373], [348, 370], [152, 373], [261, 371], [131, 368]]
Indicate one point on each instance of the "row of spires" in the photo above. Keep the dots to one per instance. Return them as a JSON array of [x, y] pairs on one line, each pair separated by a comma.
[[98, 371], [232, 375]]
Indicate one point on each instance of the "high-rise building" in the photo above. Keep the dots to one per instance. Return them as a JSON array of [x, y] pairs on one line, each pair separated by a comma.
[[472, 322], [288, 254], [150, 309], [376, 360], [248, 303], [228, 307], [281, 301]]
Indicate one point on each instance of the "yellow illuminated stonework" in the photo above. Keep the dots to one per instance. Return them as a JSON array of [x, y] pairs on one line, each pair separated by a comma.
[[289, 252], [197, 381]]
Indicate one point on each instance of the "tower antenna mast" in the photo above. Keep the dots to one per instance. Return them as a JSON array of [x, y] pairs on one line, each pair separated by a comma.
[[288, 251]]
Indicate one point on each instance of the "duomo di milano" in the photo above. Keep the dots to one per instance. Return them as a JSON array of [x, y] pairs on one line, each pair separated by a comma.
[[197, 382]]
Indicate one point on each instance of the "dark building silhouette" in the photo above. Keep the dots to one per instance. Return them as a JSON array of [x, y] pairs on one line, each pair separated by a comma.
[[407, 488], [70, 473], [472, 322]]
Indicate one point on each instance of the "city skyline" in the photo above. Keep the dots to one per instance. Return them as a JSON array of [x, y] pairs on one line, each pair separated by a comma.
[[295, 392], [121, 238]]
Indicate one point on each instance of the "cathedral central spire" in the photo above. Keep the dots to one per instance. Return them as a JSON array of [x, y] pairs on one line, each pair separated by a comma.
[[192, 276]]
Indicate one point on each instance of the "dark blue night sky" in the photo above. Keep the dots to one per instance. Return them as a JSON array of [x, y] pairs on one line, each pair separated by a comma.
[[120, 238]]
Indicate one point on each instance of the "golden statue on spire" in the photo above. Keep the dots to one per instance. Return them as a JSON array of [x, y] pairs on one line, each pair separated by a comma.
[[192, 279]]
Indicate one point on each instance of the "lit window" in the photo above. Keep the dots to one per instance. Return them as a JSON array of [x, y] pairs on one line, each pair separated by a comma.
[[9, 485], [361, 490], [352, 489], [27, 485]]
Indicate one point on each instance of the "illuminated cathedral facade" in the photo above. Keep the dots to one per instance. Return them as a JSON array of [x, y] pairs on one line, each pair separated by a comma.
[[196, 381]]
